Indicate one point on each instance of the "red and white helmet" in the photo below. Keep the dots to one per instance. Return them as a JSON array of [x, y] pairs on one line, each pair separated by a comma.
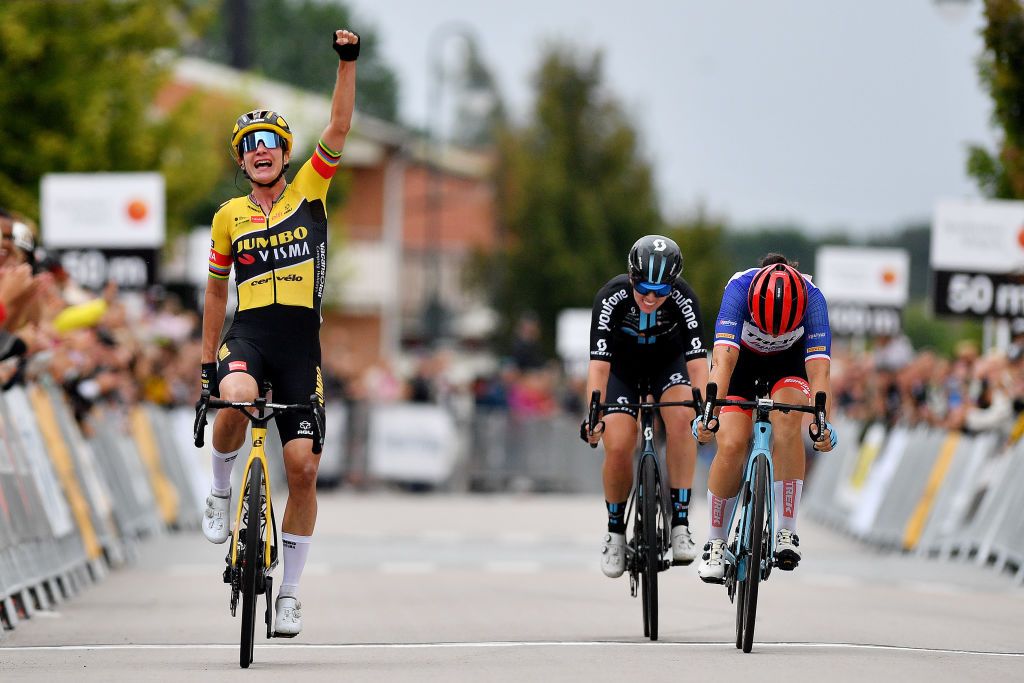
[[777, 299]]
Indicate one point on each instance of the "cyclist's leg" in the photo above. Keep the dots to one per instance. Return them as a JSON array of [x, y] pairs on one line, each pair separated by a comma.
[[619, 443], [735, 426], [733, 438], [294, 379], [790, 464], [237, 375], [680, 455]]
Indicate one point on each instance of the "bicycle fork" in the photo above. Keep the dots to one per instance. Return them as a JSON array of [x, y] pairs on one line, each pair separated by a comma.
[[761, 448]]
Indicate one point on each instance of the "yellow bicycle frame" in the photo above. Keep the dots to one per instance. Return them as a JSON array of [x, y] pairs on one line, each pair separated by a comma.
[[259, 435]]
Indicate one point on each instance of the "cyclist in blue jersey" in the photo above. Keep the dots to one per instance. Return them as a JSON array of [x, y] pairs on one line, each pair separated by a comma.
[[646, 336], [773, 327]]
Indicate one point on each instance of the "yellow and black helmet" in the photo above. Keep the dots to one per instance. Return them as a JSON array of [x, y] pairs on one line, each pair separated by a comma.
[[260, 119]]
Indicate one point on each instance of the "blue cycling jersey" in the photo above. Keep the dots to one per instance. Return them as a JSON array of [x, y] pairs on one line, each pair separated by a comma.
[[735, 327]]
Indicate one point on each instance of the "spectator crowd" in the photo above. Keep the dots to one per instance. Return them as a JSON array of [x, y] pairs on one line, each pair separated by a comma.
[[109, 348]]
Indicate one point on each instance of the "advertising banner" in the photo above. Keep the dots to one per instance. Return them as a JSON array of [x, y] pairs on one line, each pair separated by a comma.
[[977, 258], [119, 210], [866, 288]]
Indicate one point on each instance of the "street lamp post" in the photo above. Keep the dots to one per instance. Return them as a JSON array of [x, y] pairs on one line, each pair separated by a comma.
[[435, 314]]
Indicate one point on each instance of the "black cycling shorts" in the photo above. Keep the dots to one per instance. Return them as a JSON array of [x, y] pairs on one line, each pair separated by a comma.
[[291, 368], [770, 369], [626, 383]]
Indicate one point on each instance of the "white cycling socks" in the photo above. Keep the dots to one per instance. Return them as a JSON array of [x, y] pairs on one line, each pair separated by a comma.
[[223, 463], [787, 500], [721, 513], [296, 549]]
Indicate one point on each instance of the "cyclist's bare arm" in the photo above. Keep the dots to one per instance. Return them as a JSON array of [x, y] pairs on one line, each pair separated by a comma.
[[723, 363], [597, 380], [344, 99], [818, 370], [213, 316]]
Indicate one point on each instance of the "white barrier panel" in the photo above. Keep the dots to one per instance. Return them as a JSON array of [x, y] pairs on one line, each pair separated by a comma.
[[332, 460], [411, 443], [862, 519], [196, 461], [24, 429]]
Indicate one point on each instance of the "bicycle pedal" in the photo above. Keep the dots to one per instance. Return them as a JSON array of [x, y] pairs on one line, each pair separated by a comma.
[[786, 564], [284, 635]]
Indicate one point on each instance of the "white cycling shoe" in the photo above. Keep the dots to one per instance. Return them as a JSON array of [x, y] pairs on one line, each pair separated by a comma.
[[216, 527], [613, 555], [787, 550], [287, 617], [684, 550], [717, 562]]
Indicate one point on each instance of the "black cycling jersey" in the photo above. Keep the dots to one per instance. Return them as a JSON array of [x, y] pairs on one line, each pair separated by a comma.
[[619, 331]]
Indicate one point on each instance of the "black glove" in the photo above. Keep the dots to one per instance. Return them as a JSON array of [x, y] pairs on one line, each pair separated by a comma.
[[347, 52], [209, 379], [584, 430]]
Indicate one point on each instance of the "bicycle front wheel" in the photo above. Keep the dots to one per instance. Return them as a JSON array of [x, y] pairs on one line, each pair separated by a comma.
[[651, 556], [251, 571], [755, 552]]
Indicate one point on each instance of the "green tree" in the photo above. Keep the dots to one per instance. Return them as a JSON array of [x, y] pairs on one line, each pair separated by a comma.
[[286, 42], [80, 80], [1000, 174], [574, 192]]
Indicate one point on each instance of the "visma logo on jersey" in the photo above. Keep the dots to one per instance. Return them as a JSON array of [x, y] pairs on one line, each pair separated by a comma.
[[284, 245]]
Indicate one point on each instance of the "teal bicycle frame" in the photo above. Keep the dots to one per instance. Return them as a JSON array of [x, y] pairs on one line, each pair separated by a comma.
[[753, 518], [762, 440]]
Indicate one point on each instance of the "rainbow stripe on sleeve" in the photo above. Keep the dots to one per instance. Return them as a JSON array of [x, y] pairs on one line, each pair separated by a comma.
[[325, 160], [220, 265]]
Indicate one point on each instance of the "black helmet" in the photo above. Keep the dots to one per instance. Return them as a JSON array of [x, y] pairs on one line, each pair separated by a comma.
[[655, 259]]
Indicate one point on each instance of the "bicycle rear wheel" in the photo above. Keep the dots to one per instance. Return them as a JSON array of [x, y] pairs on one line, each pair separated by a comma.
[[251, 571], [748, 601], [651, 557]]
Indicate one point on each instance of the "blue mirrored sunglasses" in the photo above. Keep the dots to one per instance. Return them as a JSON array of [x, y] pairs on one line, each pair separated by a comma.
[[250, 141], [650, 288]]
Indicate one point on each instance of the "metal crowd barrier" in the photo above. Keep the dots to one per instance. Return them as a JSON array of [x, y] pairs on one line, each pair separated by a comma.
[[941, 494], [507, 452], [74, 504]]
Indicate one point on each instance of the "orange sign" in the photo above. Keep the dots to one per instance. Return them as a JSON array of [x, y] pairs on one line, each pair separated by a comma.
[[137, 210]]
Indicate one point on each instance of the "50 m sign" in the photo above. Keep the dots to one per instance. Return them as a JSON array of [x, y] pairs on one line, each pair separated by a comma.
[[979, 294]]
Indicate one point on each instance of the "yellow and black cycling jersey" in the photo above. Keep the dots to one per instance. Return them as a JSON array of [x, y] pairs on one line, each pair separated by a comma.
[[280, 259]]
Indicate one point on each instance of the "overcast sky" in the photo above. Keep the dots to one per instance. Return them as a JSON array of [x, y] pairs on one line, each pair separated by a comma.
[[848, 115]]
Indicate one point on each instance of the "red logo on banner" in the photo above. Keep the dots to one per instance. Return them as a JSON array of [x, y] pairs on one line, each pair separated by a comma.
[[788, 497], [238, 365]]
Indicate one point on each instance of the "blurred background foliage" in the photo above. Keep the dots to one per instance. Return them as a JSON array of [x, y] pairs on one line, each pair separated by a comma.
[[574, 184]]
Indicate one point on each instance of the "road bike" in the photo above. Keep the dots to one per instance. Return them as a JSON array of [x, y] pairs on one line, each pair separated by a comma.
[[252, 554], [752, 539], [648, 549]]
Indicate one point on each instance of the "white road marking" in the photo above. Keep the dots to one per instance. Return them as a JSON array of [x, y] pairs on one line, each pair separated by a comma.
[[519, 537], [932, 587], [497, 644], [407, 567], [511, 567], [442, 536]]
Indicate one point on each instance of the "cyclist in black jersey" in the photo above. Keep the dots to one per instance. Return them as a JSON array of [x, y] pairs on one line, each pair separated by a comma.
[[276, 239], [646, 336]]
